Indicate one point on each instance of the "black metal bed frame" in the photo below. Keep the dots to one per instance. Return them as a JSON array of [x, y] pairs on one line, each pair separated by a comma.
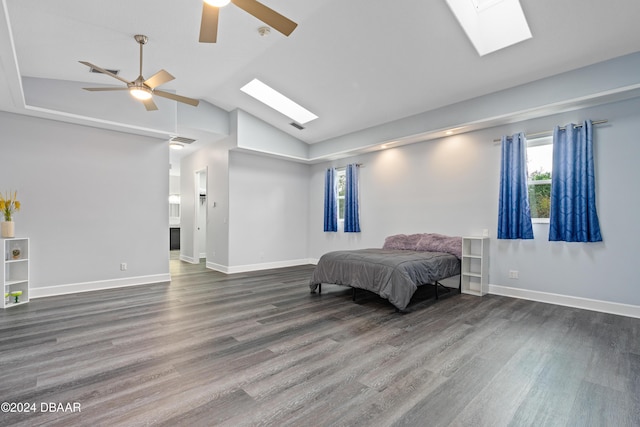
[[436, 284]]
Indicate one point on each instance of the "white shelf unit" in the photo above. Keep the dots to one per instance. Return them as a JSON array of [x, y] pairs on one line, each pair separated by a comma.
[[475, 266], [15, 271]]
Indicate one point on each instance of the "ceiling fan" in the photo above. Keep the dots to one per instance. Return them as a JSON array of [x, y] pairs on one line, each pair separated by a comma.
[[140, 88], [210, 9]]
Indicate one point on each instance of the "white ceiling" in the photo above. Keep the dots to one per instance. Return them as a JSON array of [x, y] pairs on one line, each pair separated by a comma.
[[355, 63]]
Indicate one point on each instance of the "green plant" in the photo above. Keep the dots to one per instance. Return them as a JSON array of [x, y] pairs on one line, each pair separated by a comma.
[[9, 204], [540, 195]]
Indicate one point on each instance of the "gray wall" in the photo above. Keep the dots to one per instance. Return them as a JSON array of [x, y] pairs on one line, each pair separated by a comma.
[[91, 199], [110, 107], [450, 186], [602, 271], [95, 198], [260, 217], [258, 136], [214, 157], [268, 217]]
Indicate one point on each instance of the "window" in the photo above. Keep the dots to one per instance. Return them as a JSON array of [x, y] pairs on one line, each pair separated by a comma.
[[539, 167], [341, 175]]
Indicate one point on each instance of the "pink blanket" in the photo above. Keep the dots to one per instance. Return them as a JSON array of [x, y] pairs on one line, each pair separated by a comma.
[[425, 242]]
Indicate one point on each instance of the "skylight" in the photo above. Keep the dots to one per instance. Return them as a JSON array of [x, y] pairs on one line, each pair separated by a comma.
[[491, 25], [278, 101]]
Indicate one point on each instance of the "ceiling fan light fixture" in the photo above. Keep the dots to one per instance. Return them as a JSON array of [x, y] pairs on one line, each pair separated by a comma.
[[176, 145], [140, 93], [143, 89], [217, 3]]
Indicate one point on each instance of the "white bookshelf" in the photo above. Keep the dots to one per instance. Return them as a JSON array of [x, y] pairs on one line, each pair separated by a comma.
[[475, 265], [15, 271]]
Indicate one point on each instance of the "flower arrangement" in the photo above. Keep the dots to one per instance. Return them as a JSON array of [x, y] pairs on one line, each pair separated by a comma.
[[9, 204]]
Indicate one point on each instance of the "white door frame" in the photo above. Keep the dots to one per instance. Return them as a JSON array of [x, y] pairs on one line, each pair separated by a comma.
[[197, 250]]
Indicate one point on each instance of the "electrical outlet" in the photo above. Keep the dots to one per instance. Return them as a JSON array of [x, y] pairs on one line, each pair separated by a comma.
[[513, 274], [123, 266]]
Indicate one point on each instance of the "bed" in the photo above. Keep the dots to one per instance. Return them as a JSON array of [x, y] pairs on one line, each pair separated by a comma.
[[395, 271]]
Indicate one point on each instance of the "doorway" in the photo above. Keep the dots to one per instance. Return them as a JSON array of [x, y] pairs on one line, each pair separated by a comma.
[[200, 223]]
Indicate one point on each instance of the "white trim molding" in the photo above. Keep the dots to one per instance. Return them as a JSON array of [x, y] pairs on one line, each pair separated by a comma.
[[189, 259], [50, 291], [257, 267], [568, 301]]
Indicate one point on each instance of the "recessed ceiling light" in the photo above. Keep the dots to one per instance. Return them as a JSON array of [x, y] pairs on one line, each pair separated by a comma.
[[491, 24], [278, 101], [388, 144]]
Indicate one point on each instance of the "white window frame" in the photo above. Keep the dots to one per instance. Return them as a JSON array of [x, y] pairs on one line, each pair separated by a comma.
[[537, 142]]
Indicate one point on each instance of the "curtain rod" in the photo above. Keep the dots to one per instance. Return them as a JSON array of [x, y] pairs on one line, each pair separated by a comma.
[[550, 132], [344, 167]]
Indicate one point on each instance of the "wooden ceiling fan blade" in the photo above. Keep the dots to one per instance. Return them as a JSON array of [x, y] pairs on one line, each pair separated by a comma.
[[178, 98], [209, 23], [103, 71], [267, 15], [159, 78], [149, 104], [102, 89]]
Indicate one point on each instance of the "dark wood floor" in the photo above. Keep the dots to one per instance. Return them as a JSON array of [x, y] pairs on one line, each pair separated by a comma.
[[259, 349]]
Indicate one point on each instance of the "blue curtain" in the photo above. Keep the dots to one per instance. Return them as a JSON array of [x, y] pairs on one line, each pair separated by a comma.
[[573, 216], [351, 215], [514, 214], [330, 201]]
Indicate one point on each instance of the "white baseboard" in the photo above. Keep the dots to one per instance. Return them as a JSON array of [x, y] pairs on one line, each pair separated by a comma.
[[217, 267], [568, 301], [546, 297], [189, 259], [50, 291], [256, 267]]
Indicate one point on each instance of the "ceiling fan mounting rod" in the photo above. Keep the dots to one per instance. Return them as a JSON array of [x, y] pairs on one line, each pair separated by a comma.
[[142, 40]]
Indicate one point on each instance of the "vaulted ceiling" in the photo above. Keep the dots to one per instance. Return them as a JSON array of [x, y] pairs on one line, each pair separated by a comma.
[[355, 63]]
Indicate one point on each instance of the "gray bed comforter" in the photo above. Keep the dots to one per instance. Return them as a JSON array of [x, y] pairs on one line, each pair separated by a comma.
[[393, 274]]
